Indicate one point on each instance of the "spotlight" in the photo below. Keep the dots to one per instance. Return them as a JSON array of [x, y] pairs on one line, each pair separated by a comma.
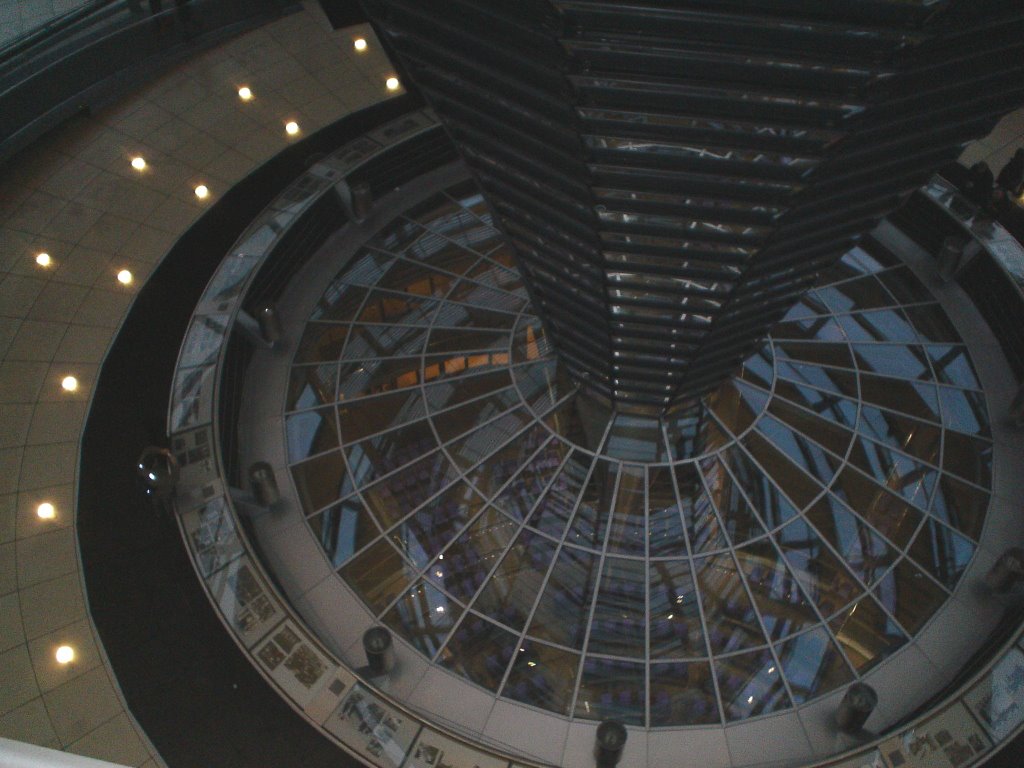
[[69, 383], [45, 511], [43, 259], [359, 44], [138, 163], [124, 277], [392, 83], [291, 128], [245, 93], [65, 654], [202, 192]]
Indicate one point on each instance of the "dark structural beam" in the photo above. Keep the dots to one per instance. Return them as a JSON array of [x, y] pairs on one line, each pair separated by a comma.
[[673, 175]]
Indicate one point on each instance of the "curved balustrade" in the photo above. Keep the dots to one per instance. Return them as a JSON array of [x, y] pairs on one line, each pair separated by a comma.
[[984, 713]]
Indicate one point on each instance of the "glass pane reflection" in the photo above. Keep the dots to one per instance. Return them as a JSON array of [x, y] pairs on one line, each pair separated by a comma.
[[611, 689], [813, 665], [424, 616], [682, 693], [542, 676], [750, 684]]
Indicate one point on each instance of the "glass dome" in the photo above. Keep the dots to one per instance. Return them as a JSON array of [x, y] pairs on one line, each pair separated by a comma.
[[738, 557]]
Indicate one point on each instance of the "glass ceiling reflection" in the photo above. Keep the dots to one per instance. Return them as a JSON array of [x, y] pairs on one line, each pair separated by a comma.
[[716, 565]]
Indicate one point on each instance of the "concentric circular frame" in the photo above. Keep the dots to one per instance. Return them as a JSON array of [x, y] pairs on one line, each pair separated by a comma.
[[845, 470]]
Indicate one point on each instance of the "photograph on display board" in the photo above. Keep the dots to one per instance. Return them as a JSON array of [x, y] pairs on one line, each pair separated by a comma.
[[368, 725], [243, 600], [952, 739], [214, 538], [998, 698], [434, 750]]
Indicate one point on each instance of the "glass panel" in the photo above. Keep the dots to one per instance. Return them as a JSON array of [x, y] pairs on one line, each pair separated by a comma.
[[376, 341], [510, 592], [424, 616], [445, 394], [379, 455], [591, 520], [367, 417], [825, 432], [759, 368], [968, 457], [525, 488], [800, 489], [902, 361], [822, 328], [321, 342], [635, 438], [813, 665], [740, 521], [702, 523], [822, 575], [802, 451], [417, 279], [627, 534], [422, 535], [682, 694], [543, 384], [750, 684], [952, 365], [866, 633], [834, 380], [387, 307], [320, 481], [469, 292], [310, 433], [479, 651], [912, 398], [866, 553], [894, 471], [665, 537], [830, 407], [343, 530], [619, 614], [836, 355], [468, 450], [311, 385], [471, 415], [773, 508], [579, 422], [611, 690], [783, 607], [878, 325], [461, 569], [395, 496], [888, 513], [909, 595], [543, 676], [732, 622], [368, 265], [373, 377], [918, 438], [492, 474], [961, 505], [855, 295], [454, 340], [675, 630], [737, 405], [964, 411], [553, 512], [942, 552], [378, 575], [455, 315], [564, 607]]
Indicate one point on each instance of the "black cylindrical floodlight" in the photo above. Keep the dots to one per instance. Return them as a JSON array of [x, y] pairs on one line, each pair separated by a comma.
[[270, 323], [609, 743], [264, 484], [377, 644], [856, 707], [1007, 570]]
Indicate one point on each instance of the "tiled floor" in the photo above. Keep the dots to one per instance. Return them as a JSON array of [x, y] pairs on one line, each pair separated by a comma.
[[76, 197]]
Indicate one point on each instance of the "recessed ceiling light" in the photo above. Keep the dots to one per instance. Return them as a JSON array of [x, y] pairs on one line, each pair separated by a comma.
[[359, 44], [291, 128], [46, 511], [69, 383], [245, 93], [392, 83], [43, 259], [139, 163], [124, 277], [202, 191], [65, 654]]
